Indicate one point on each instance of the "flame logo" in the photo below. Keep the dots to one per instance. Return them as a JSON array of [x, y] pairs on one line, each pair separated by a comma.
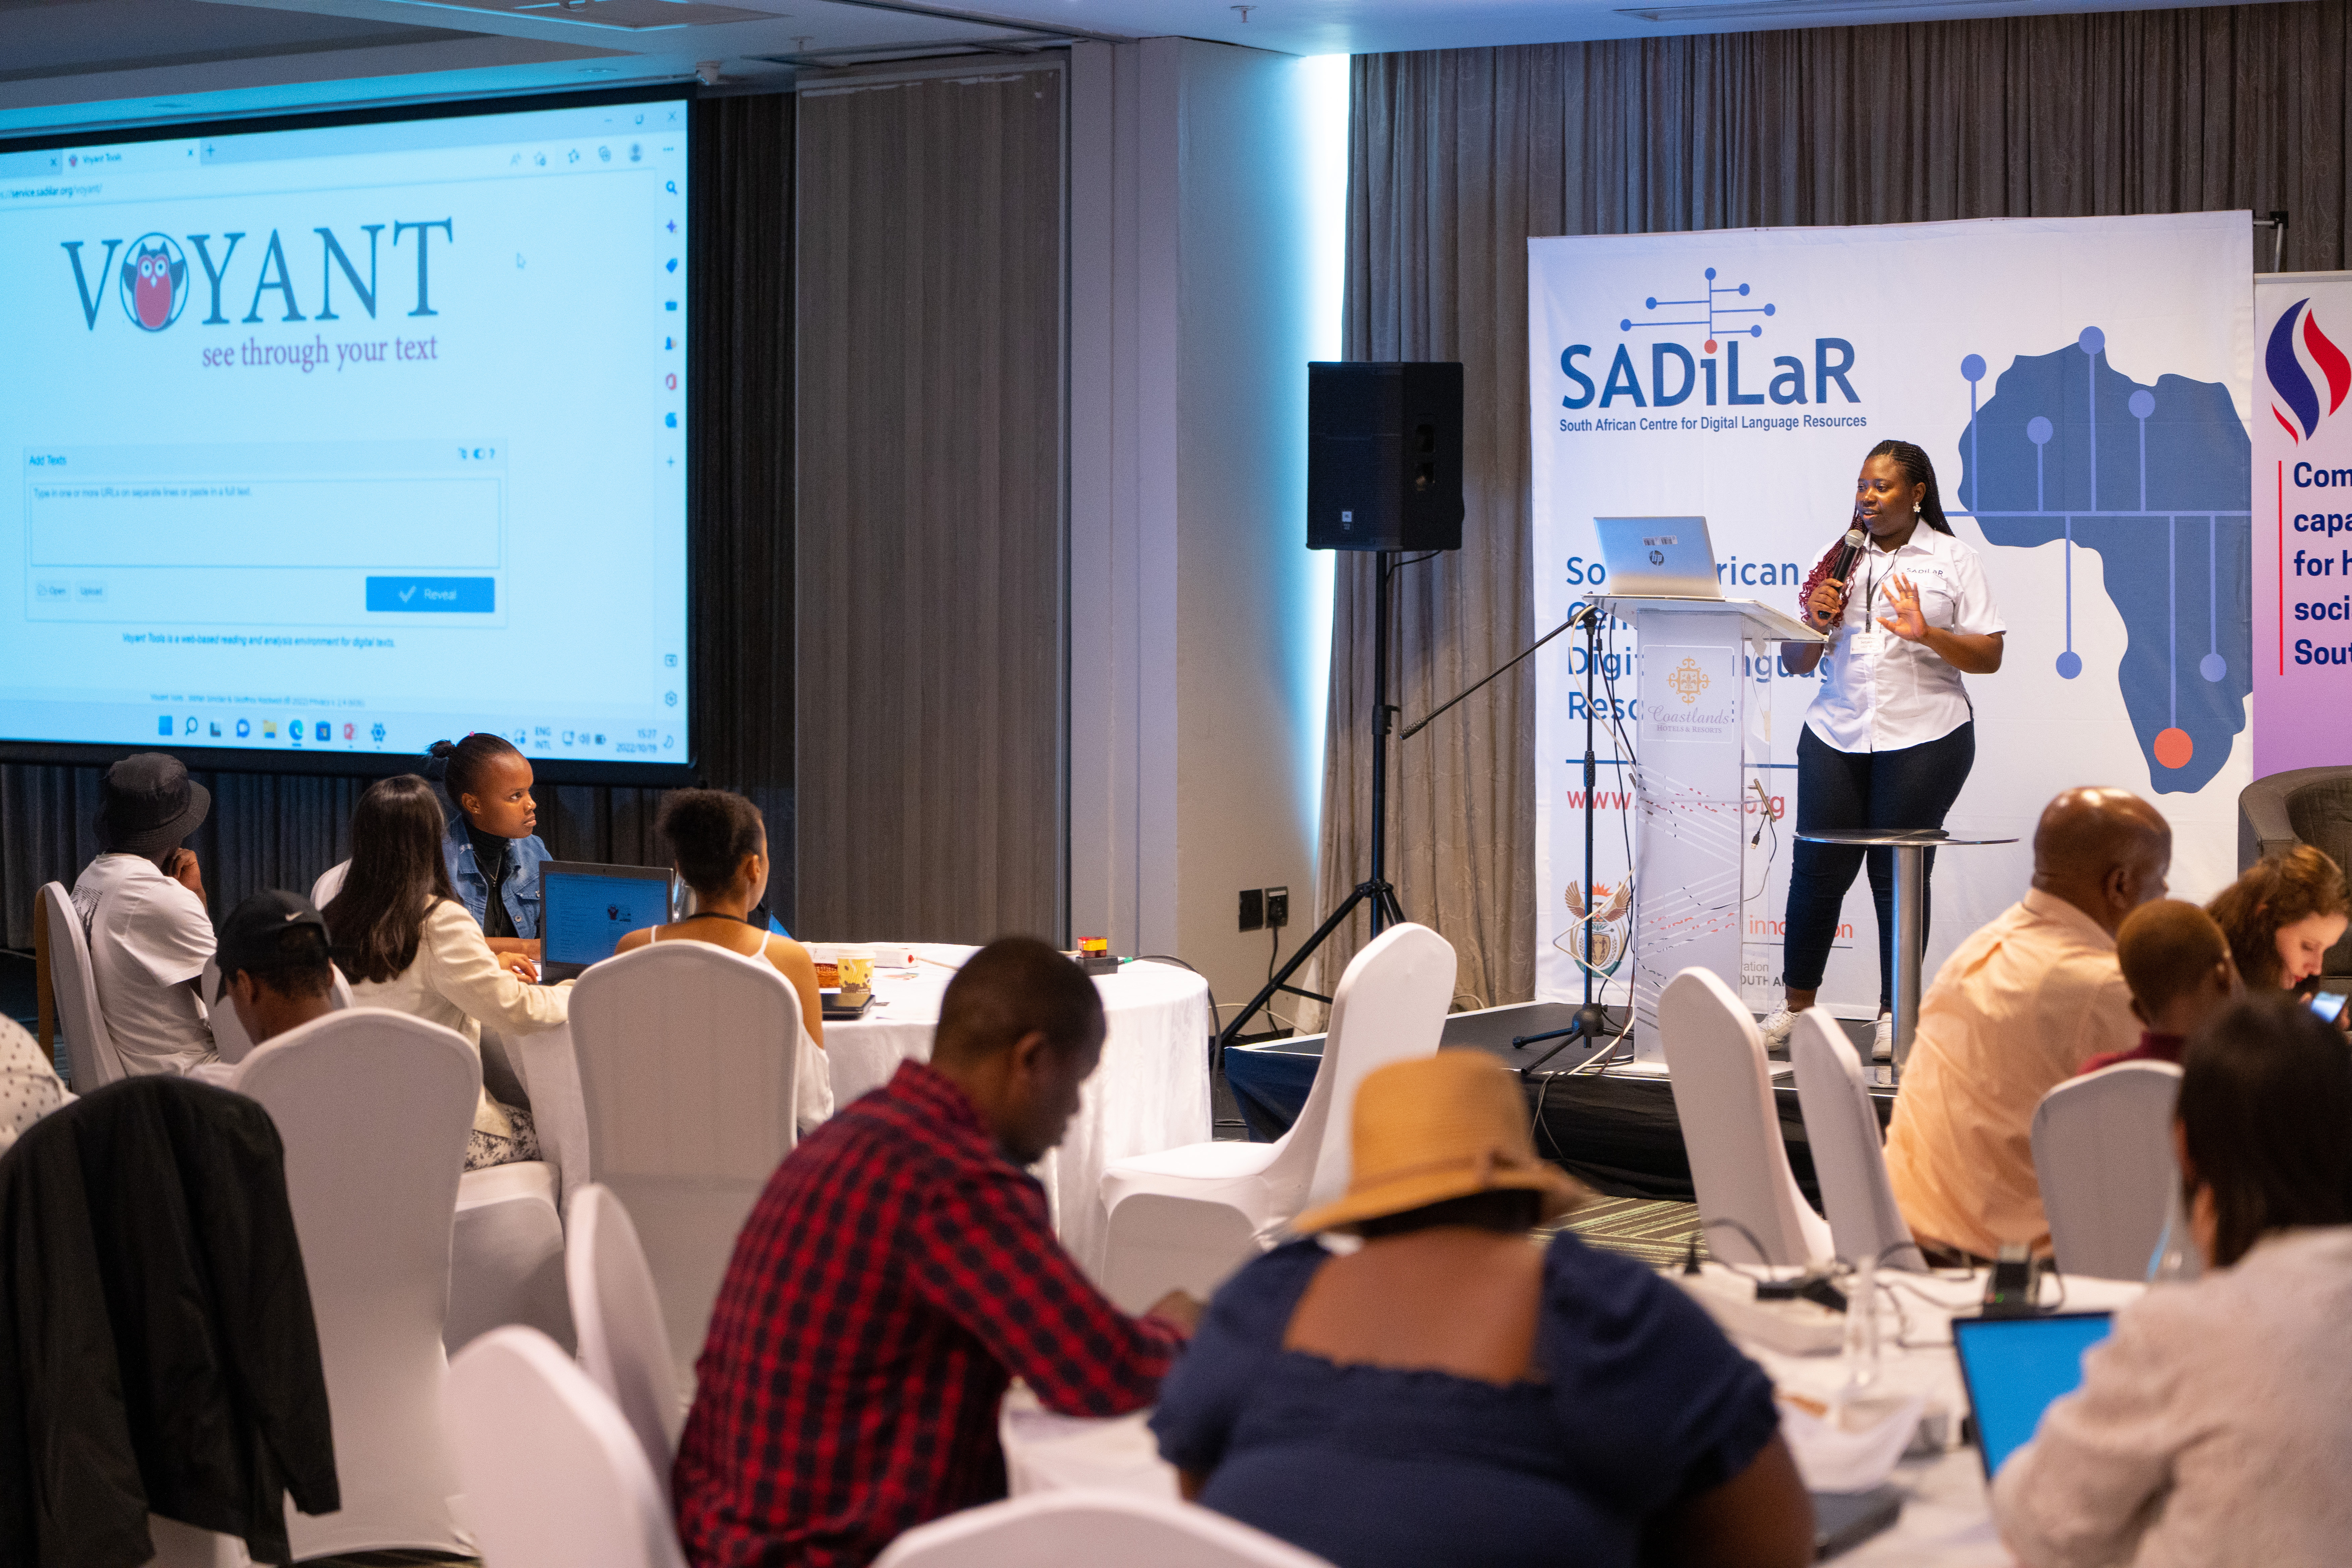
[[2296, 407]]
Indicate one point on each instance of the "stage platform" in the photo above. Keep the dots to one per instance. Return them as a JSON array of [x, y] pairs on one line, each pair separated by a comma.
[[1614, 1129]]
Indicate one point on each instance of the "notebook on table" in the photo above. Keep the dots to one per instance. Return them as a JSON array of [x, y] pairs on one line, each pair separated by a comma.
[[2015, 1368], [586, 909]]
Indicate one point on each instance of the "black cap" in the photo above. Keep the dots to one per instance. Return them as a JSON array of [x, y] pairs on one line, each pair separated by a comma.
[[151, 804], [249, 938]]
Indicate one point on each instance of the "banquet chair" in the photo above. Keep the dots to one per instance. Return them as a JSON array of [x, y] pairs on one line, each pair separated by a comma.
[[90, 1049], [330, 883], [2103, 1155], [374, 1107], [689, 1060], [229, 1038], [1849, 1152], [1184, 1218], [1087, 1529], [553, 1476], [624, 1349], [1748, 1203], [506, 1254]]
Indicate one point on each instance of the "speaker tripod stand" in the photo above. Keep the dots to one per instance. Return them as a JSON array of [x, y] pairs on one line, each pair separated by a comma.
[[1374, 889]]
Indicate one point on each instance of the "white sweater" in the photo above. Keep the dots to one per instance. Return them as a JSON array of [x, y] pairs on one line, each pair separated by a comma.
[[457, 981], [2213, 1429]]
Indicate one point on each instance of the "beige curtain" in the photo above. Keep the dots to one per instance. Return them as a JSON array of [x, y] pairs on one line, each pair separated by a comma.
[[930, 521], [1457, 157]]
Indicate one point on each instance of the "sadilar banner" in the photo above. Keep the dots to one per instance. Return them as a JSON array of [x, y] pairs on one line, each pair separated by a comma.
[[2084, 387]]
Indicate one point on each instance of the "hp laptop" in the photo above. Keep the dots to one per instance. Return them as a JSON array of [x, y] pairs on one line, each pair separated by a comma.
[[2015, 1369], [586, 909], [1659, 557]]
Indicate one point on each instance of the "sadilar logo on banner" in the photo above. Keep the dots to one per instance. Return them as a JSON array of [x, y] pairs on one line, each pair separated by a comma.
[[2302, 522], [2084, 387]]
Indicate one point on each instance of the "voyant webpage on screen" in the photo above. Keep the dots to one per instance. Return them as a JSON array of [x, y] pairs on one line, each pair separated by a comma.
[[350, 438]]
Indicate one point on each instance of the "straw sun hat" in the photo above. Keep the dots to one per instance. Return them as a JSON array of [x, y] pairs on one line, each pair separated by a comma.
[[1439, 1126]]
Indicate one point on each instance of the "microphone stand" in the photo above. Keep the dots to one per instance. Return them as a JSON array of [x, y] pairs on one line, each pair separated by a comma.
[[1591, 1024]]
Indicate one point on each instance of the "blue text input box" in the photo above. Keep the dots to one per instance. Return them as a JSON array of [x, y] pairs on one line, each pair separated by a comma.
[[433, 595]]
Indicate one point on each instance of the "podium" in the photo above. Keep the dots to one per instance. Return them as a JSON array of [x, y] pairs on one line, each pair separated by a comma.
[[1697, 690]]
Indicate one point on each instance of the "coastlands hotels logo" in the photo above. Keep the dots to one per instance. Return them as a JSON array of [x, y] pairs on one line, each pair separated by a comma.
[[1674, 351], [2299, 362]]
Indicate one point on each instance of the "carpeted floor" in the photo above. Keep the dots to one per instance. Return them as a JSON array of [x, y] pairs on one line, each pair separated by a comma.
[[1656, 1233]]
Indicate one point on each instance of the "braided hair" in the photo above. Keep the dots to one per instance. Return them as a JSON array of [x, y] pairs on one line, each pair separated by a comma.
[[1917, 470]]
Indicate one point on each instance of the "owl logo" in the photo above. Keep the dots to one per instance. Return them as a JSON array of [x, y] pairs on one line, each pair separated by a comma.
[[154, 283]]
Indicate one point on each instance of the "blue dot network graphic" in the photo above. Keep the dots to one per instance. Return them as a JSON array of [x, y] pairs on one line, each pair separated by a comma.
[[2156, 479]]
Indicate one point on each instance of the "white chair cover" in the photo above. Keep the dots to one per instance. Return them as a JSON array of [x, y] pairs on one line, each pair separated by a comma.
[[229, 1038], [1849, 1151], [1090, 1530], [623, 1348], [2103, 1154], [506, 1255], [374, 1107], [330, 883], [1748, 1201], [688, 1061], [89, 1049], [1186, 1218], [555, 1477]]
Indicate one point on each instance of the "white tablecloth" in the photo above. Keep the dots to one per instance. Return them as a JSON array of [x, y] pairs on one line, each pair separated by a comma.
[[1152, 1092], [1947, 1521]]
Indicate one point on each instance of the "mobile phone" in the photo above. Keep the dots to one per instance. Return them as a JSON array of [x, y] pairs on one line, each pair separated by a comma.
[[2328, 1005]]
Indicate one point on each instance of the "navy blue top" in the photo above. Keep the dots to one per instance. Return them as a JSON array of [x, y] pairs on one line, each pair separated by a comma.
[[1637, 1403]]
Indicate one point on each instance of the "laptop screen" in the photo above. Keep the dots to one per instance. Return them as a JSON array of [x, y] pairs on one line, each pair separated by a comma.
[[2015, 1367], [586, 916]]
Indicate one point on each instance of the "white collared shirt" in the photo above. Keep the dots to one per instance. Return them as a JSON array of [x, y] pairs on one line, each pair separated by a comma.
[[149, 936], [1880, 693]]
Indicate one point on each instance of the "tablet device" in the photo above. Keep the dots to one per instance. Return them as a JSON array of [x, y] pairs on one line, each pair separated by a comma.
[[586, 909], [1658, 557], [1842, 1521], [2014, 1367]]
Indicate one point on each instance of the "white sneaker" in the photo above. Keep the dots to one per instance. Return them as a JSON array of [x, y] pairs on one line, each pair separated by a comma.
[[1776, 1028], [1882, 1040]]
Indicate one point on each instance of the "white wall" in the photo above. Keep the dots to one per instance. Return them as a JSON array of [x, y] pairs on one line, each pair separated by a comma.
[[1199, 631]]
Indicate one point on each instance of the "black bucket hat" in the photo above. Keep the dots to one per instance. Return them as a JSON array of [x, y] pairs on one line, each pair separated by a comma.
[[151, 804]]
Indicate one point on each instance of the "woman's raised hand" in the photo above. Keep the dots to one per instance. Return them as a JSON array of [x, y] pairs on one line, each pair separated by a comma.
[[1908, 621]]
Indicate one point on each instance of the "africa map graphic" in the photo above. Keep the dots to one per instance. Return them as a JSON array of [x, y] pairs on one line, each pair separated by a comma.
[[2156, 479]]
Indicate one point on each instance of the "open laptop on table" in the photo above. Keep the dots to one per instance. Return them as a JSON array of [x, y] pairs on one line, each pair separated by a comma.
[[586, 909], [2015, 1368]]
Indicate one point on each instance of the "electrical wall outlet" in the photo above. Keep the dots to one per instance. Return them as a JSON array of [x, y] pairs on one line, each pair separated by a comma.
[[1252, 908], [1277, 906]]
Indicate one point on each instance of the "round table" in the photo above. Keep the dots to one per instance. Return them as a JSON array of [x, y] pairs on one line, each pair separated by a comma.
[[1910, 845], [1152, 1092]]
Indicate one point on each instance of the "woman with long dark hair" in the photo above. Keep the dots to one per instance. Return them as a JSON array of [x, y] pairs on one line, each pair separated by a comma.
[[1890, 737], [405, 942]]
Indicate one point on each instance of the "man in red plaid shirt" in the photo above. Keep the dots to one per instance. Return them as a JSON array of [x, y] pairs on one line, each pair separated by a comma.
[[898, 1272]]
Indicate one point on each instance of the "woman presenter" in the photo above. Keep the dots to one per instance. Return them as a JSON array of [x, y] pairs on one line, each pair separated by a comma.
[[1888, 741]]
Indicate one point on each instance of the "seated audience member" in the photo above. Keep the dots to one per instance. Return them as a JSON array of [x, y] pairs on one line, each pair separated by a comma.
[[719, 847], [2214, 1426], [2015, 1012], [1450, 1393], [405, 942], [141, 903], [29, 1086], [274, 966], [898, 1272], [493, 852], [2282, 916], [2178, 964]]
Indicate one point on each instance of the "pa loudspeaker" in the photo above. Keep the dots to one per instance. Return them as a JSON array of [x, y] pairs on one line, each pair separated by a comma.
[[1384, 456]]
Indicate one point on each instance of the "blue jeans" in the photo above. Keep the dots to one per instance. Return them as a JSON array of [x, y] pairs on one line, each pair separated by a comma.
[[1914, 787]]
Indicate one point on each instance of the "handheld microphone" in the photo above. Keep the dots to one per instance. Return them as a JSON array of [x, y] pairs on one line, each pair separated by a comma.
[[1849, 550]]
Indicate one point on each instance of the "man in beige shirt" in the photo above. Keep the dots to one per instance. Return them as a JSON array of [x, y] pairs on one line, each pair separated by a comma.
[[2015, 1012]]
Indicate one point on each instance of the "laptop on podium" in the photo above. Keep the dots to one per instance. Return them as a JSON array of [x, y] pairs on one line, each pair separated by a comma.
[[1658, 557]]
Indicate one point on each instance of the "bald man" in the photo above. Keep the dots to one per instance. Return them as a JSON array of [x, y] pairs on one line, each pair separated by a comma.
[[2019, 1009]]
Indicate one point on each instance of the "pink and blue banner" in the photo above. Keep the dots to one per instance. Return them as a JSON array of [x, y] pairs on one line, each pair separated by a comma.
[[2303, 522]]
